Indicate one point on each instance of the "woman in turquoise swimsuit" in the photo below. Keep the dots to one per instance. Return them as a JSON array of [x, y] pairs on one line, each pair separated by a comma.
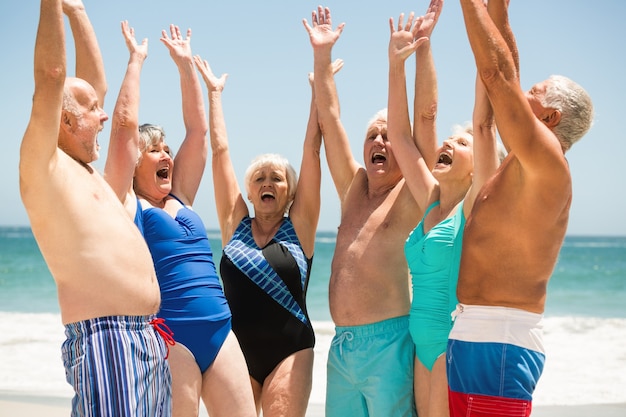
[[445, 191]]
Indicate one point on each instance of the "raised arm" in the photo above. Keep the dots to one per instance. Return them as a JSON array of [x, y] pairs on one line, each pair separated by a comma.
[[39, 144], [89, 63], [124, 143], [535, 146], [342, 164], [231, 207], [305, 211], [425, 100], [417, 175], [191, 158], [486, 159]]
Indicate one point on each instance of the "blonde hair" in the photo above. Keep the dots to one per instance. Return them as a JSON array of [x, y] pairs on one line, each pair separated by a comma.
[[275, 161]]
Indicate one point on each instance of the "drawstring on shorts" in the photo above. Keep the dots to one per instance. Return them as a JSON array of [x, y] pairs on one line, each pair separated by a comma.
[[165, 332], [345, 336]]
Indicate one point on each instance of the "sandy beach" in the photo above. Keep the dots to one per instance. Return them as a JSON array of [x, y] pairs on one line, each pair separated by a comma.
[[19, 405]]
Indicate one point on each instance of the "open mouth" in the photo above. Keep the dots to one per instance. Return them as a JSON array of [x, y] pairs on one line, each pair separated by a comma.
[[267, 196], [445, 159], [163, 173], [378, 158]]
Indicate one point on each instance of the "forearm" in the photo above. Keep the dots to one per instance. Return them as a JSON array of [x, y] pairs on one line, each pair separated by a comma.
[[398, 122], [192, 101], [124, 143], [89, 62], [498, 11], [325, 88], [50, 61], [425, 104], [493, 57]]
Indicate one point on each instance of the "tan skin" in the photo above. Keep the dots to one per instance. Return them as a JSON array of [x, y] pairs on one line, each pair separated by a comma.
[[515, 232], [369, 276], [99, 262], [227, 375], [286, 390], [449, 183]]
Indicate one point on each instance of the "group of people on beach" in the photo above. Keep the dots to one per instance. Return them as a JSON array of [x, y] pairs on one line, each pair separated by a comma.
[[443, 252]]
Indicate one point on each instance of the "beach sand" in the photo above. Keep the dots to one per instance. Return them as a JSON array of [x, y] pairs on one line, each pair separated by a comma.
[[20, 405]]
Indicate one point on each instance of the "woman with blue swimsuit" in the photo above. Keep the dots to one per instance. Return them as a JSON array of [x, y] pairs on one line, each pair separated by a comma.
[[444, 184], [267, 258], [158, 191]]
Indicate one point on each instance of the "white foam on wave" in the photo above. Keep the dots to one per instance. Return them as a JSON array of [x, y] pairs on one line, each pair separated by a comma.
[[586, 359]]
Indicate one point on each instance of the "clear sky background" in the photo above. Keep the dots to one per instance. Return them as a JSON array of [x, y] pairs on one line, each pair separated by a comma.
[[265, 49]]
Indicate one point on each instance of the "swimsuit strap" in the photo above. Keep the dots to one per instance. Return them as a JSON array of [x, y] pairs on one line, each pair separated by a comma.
[[435, 203]]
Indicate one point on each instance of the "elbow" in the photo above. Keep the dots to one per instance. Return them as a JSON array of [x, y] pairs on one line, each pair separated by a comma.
[[125, 119], [429, 112], [54, 75]]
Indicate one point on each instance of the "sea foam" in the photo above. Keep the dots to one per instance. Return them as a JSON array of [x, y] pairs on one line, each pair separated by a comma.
[[586, 359]]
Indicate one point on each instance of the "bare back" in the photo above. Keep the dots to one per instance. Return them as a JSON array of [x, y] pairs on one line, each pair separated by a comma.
[[97, 256], [369, 276], [528, 213]]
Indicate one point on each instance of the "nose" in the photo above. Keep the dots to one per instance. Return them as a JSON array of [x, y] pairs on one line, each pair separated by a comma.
[[103, 116]]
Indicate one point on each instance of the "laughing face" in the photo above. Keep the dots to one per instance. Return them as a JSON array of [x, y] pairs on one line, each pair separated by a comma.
[[376, 151], [153, 174], [268, 190], [455, 157]]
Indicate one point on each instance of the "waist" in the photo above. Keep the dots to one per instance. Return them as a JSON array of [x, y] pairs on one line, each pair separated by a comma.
[[493, 324], [377, 328], [97, 324]]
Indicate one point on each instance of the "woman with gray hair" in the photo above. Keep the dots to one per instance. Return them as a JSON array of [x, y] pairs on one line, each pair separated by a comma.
[[158, 191], [267, 258]]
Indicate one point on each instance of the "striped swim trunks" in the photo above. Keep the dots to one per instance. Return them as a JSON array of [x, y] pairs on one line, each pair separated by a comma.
[[117, 367], [495, 357]]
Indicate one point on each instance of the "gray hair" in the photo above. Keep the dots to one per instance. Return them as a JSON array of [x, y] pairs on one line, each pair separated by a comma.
[[575, 106], [69, 103], [380, 116], [275, 161], [150, 135]]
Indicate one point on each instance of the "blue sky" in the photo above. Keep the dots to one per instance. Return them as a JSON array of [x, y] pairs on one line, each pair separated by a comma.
[[266, 52]]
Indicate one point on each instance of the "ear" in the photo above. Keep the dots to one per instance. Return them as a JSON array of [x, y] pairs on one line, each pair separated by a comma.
[[67, 121], [553, 118]]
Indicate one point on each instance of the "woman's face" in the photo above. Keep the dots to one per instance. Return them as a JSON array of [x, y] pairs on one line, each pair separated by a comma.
[[269, 190], [153, 175]]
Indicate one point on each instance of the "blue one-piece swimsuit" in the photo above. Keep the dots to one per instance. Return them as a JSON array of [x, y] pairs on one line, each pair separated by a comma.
[[192, 299], [266, 289], [434, 260]]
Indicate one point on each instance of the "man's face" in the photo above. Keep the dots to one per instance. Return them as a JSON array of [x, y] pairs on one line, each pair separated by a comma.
[[82, 122]]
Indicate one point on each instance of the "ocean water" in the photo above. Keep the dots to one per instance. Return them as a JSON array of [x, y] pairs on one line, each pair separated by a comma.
[[585, 320]]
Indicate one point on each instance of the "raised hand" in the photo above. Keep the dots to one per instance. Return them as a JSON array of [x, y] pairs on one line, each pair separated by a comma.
[[213, 83], [403, 41], [428, 22], [321, 32], [179, 47], [133, 47]]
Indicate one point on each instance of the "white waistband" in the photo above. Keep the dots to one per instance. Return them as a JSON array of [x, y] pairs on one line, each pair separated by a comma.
[[485, 324]]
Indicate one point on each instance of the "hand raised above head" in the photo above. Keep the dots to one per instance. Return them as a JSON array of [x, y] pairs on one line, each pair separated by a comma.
[[213, 83], [179, 47], [428, 21], [321, 31], [131, 42]]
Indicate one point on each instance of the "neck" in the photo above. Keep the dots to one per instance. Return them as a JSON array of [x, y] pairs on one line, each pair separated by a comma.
[[264, 229]]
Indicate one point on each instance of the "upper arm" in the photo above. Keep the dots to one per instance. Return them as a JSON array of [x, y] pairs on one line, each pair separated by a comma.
[[305, 210]]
